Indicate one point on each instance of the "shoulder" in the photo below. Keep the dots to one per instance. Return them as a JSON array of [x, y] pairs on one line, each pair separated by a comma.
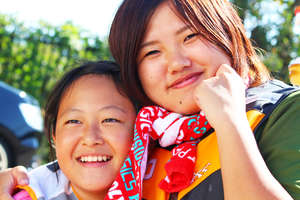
[[286, 114], [278, 142], [289, 104], [48, 181]]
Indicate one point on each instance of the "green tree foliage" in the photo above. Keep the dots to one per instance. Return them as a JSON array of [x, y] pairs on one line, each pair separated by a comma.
[[32, 59], [270, 26]]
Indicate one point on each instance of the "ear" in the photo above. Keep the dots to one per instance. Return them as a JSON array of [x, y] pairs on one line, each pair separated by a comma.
[[53, 138]]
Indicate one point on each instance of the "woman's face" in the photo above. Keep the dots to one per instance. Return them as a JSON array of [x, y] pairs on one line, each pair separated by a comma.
[[93, 134], [173, 60]]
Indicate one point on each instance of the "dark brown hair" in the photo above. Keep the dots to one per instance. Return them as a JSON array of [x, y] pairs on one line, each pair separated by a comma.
[[216, 20]]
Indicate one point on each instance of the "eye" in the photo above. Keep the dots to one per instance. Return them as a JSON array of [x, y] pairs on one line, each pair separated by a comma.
[[147, 53], [111, 120], [151, 53], [73, 121], [190, 36]]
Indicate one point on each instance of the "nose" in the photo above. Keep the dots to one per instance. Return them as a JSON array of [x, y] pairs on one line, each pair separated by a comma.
[[92, 135], [177, 61]]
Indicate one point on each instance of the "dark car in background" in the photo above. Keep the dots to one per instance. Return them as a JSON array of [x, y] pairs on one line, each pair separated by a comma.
[[21, 125]]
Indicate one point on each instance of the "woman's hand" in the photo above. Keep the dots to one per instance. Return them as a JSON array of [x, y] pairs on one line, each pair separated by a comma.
[[222, 97], [9, 179]]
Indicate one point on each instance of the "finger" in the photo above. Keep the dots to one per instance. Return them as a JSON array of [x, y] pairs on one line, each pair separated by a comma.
[[5, 196], [229, 74], [224, 68], [20, 175]]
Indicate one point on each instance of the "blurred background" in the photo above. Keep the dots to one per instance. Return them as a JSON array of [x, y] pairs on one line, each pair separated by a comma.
[[40, 40]]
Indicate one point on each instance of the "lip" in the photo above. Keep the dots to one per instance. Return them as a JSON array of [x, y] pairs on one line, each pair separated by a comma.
[[185, 81]]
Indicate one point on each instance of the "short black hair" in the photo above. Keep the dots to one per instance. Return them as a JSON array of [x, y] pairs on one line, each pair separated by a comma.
[[106, 68]]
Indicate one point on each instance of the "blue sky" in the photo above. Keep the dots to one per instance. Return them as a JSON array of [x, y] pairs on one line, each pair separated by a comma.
[[95, 16], [92, 15]]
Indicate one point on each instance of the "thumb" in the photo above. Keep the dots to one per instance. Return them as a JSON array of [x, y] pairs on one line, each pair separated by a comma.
[[7, 183]]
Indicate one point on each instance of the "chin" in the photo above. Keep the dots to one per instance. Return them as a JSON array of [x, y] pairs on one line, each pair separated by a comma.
[[185, 110], [190, 112], [96, 186]]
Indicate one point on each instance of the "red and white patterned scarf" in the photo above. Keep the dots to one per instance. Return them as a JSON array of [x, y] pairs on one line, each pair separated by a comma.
[[168, 128]]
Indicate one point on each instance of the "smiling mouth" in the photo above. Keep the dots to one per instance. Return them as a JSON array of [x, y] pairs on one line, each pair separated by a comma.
[[94, 159], [185, 81]]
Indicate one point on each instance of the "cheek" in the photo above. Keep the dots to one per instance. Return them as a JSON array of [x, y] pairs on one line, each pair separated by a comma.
[[126, 142], [122, 145], [61, 147], [152, 82], [217, 59], [145, 76], [151, 73], [65, 142]]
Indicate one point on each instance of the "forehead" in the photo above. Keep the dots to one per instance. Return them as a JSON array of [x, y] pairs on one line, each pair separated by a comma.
[[92, 90], [92, 84], [165, 18], [164, 10]]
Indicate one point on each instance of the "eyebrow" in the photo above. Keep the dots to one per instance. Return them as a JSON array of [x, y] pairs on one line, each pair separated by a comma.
[[69, 111], [148, 43], [184, 28], [113, 107], [101, 109], [179, 31]]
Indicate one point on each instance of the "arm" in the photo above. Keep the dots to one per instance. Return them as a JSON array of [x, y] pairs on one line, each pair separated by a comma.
[[244, 172], [9, 179]]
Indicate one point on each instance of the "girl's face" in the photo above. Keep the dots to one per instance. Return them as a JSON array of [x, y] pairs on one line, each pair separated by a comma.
[[173, 60], [93, 134]]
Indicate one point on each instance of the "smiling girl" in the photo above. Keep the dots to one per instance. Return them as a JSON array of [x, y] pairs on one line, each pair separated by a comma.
[[189, 56], [90, 120]]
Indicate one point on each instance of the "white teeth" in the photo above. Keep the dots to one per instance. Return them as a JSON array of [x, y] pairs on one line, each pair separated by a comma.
[[94, 158], [100, 159]]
